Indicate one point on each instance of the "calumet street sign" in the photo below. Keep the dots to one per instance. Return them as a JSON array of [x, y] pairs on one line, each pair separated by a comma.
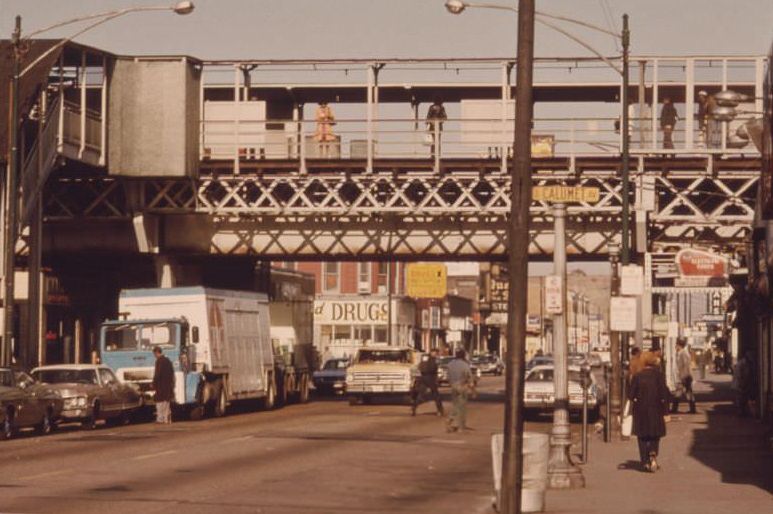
[[565, 194]]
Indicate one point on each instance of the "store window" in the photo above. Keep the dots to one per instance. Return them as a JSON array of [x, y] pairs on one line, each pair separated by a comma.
[[343, 333], [380, 335], [330, 277], [364, 334]]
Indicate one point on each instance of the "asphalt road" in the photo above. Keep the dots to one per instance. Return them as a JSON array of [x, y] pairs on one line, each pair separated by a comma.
[[322, 457]]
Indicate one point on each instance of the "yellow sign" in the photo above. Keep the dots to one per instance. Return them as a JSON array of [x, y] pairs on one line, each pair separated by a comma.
[[426, 280], [565, 194]]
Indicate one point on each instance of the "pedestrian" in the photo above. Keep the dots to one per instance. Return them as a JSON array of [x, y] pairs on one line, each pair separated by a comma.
[[668, 119], [324, 134], [436, 115], [163, 385], [683, 366], [636, 364], [709, 126], [460, 378], [649, 397], [743, 383], [427, 380]]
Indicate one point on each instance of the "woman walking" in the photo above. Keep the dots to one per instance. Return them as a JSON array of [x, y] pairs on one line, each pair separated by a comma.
[[649, 396]]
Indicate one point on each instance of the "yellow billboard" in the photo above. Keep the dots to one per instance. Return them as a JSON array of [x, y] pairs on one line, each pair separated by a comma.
[[426, 280]]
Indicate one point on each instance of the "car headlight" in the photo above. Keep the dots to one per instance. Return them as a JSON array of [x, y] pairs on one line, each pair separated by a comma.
[[349, 377]]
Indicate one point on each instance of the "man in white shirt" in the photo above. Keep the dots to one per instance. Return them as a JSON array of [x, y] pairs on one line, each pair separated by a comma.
[[683, 366]]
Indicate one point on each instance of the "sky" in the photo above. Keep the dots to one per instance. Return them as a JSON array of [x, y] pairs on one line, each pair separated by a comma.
[[399, 28]]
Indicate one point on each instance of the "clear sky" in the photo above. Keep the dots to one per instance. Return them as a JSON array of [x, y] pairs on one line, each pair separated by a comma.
[[399, 28]]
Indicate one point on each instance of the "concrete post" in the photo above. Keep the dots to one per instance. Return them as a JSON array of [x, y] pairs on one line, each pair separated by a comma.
[[562, 473]]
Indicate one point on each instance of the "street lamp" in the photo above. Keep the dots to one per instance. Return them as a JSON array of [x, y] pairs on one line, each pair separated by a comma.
[[562, 472], [19, 49]]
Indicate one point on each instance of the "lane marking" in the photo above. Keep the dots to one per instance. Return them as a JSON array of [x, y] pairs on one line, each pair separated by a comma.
[[152, 455], [47, 474], [446, 441], [237, 439]]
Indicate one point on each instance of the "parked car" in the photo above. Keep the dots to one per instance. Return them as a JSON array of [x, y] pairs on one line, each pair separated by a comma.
[[539, 391], [442, 370], [25, 402], [488, 364], [91, 393], [331, 379]]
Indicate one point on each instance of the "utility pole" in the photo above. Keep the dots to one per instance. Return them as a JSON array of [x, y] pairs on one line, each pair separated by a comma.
[[11, 202], [562, 473], [518, 263], [617, 371], [615, 384]]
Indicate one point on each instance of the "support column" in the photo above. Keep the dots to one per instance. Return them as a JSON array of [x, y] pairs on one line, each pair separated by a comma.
[[562, 473]]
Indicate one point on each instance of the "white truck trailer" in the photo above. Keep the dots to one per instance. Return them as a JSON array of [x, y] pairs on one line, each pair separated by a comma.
[[219, 343]]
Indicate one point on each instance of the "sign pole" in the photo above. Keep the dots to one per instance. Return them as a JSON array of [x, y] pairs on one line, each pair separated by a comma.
[[562, 473]]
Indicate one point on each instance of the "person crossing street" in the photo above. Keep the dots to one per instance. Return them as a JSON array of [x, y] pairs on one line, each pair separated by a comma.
[[460, 378], [427, 380]]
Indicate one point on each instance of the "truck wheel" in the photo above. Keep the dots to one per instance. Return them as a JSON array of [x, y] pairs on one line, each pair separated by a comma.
[[270, 401], [303, 395], [221, 404]]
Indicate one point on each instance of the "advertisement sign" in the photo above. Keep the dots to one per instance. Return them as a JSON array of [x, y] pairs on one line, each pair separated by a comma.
[[426, 280], [499, 294], [699, 268], [554, 294], [631, 280], [660, 325], [622, 314]]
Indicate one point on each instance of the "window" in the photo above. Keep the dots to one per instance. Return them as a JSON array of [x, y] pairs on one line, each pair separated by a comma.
[[6, 378], [376, 356], [66, 376], [330, 274], [381, 279], [364, 334], [363, 277], [380, 335], [107, 377], [326, 334]]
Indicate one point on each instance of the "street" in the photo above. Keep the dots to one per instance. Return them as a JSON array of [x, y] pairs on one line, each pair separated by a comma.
[[324, 456]]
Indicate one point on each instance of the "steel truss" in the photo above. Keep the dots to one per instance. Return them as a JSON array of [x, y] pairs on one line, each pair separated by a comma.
[[407, 214]]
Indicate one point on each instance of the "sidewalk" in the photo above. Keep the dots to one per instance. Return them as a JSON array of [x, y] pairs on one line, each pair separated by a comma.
[[712, 462]]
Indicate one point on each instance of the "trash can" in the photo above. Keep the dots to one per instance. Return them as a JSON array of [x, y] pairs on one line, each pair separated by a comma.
[[536, 450]]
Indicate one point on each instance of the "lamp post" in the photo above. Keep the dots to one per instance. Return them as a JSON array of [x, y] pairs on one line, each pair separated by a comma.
[[563, 473], [19, 49]]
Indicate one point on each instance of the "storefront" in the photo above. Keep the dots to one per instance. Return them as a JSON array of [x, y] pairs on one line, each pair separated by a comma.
[[343, 323]]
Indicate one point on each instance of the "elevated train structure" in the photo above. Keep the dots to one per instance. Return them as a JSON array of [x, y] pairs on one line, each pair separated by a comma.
[[177, 156]]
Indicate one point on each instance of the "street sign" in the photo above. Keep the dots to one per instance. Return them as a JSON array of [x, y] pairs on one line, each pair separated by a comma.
[[699, 268], [660, 325], [622, 314], [427, 280], [554, 294], [632, 280], [565, 194]]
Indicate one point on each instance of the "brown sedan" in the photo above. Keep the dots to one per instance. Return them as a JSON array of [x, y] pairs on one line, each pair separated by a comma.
[[25, 403], [91, 392]]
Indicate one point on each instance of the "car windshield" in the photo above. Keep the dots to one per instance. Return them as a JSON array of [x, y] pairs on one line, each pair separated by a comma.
[[66, 376], [546, 375], [402, 356], [142, 337], [336, 364], [6, 378]]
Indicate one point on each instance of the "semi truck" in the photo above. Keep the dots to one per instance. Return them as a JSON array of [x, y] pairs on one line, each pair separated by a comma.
[[219, 342]]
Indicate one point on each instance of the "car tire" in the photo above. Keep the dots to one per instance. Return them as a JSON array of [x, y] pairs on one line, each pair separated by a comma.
[[303, 395], [90, 423], [46, 425], [7, 428], [270, 401], [221, 403]]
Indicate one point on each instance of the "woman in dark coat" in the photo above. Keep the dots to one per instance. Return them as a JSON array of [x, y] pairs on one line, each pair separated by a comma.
[[649, 396]]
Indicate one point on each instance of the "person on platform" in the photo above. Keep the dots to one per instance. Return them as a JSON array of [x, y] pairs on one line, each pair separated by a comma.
[[436, 115], [668, 119], [460, 378], [683, 366], [163, 385], [324, 134], [649, 397], [427, 380]]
